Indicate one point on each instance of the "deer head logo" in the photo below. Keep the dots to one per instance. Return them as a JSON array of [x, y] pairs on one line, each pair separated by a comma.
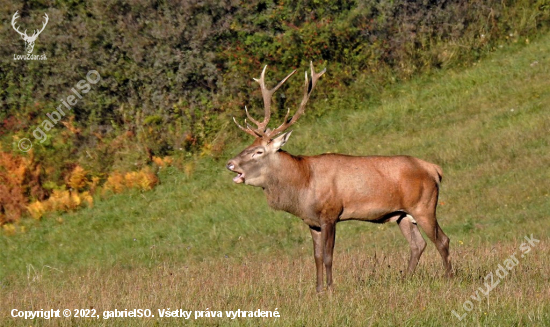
[[29, 40]]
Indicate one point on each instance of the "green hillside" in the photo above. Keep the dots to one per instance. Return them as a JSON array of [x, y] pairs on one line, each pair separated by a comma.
[[199, 242]]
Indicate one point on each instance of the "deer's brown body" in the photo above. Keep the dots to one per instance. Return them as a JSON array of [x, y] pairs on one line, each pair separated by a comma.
[[361, 188], [325, 189]]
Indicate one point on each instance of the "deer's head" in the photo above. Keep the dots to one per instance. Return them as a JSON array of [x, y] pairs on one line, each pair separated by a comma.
[[29, 40], [253, 163]]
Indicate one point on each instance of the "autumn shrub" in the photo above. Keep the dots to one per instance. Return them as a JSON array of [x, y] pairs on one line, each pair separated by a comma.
[[60, 200], [118, 182], [19, 181], [81, 188], [77, 190]]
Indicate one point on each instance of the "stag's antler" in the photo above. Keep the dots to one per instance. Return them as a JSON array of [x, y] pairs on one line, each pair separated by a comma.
[[36, 32], [308, 88], [24, 34], [16, 28], [261, 130]]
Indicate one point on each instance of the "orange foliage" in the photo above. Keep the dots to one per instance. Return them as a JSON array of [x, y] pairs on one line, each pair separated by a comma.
[[60, 201], [36, 209], [19, 178], [63, 200], [77, 178], [142, 180], [163, 162], [115, 182]]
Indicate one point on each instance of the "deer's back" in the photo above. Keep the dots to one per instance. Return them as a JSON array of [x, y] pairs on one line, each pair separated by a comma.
[[368, 188]]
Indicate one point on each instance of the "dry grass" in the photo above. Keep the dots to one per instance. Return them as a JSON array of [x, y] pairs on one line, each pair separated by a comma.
[[369, 290]]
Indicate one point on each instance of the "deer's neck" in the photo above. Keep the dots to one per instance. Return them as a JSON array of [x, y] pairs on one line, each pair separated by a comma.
[[288, 180]]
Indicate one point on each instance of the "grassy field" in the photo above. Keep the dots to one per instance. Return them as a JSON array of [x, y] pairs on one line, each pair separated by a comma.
[[200, 243]]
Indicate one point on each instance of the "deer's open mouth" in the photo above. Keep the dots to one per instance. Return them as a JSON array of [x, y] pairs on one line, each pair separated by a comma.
[[240, 176]]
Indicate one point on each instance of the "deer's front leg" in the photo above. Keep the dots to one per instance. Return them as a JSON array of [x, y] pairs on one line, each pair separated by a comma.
[[318, 254], [328, 234]]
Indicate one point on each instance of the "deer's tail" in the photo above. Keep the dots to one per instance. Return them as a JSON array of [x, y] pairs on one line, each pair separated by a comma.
[[439, 174]]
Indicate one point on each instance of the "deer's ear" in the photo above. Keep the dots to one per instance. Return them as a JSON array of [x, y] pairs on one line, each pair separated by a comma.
[[280, 140]]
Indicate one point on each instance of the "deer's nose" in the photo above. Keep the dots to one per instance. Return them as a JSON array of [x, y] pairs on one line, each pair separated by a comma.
[[230, 165]]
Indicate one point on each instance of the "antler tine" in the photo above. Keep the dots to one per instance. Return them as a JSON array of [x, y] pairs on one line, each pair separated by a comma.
[[315, 76], [14, 18], [267, 95], [308, 89], [44, 24], [287, 113], [257, 133], [250, 117], [37, 32], [247, 130]]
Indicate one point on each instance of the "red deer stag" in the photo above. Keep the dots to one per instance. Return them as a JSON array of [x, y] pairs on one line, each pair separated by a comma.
[[325, 189]]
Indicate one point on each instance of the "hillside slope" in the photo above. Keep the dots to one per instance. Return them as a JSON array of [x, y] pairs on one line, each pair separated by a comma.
[[198, 241]]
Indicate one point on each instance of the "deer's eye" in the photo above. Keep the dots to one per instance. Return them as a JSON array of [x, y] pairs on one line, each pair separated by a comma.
[[257, 153]]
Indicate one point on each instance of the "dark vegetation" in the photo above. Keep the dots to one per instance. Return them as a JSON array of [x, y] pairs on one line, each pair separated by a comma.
[[174, 72]]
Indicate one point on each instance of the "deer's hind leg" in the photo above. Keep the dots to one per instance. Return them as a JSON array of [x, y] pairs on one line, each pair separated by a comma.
[[430, 226], [409, 228]]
